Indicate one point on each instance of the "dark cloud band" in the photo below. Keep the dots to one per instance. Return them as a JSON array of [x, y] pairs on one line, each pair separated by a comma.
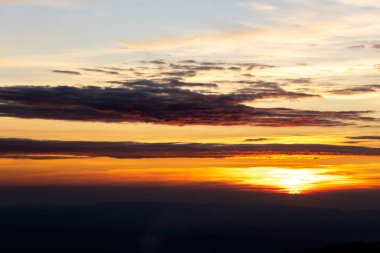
[[357, 90], [256, 139], [24, 148], [171, 103], [366, 137]]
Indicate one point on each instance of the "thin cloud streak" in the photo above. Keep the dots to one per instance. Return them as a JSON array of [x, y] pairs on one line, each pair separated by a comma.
[[357, 90], [68, 72], [200, 39], [256, 139], [367, 137]]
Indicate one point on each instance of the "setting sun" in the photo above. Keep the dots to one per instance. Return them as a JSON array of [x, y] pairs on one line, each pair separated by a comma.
[[295, 181], [291, 180]]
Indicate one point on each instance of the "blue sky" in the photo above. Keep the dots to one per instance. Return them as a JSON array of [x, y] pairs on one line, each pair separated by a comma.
[[43, 28]]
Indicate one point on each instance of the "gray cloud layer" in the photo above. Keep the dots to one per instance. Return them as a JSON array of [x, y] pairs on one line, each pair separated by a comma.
[[165, 103], [25, 148]]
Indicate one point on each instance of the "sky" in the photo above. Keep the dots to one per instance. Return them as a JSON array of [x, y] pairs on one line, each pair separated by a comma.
[[276, 96]]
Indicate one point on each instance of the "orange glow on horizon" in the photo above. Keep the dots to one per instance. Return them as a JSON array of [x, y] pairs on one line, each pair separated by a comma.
[[291, 181], [282, 174]]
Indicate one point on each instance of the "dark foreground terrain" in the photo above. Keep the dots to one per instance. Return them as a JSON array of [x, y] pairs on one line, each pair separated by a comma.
[[357, 247], [184, 228]]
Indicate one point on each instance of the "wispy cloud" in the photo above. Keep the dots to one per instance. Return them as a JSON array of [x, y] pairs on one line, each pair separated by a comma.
[[256, 139], [360, 3], [194, 40], [68, 72], [365, 137], [357, 89], [260, 6], [109, 72]]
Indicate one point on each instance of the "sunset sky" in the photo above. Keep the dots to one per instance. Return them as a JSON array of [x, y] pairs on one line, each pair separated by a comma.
[[278, 96]]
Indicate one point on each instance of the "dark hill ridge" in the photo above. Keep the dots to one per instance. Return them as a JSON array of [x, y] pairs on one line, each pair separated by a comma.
[[357, 247], [165, 227]]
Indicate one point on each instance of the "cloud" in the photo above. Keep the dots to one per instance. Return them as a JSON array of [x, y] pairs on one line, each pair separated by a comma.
[[180, 70], [199, 67], [26, 148], [373, 137], [324, 22], [168, 83], [357, 90], [361, 3], [101, 71], [180, 74], [357, 47], [260, 7], [299, 80], [194, 40], [372, 45], [158, 62], [209, 65], [251, 66], [256, 139], [192, 68], [66, 72], [166, 103], [351, 142]]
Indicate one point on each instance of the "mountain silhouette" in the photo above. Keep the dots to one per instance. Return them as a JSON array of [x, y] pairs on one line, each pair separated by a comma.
[[165, 227]]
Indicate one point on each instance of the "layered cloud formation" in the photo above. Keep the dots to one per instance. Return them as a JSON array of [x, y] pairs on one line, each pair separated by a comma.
[[169, 103]]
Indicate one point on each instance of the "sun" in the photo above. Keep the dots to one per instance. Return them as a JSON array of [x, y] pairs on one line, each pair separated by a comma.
[[294, 181], [284, 180]]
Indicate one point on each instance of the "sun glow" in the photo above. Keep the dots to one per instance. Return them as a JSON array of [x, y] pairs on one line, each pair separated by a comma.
[[287, 174], [290, 181], [295, 181]]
